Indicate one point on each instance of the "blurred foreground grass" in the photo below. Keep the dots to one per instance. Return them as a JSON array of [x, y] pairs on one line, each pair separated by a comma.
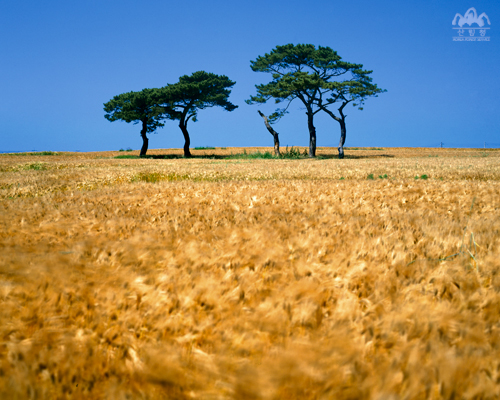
[[250, 279]]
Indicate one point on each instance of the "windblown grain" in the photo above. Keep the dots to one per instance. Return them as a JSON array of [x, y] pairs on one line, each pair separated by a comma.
[[251, 279]]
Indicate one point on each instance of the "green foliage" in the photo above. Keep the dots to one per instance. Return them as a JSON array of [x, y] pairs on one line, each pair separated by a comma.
[[204, 148], [36, 167], [136, 107], [192, 93], [155, 177], [127, 156], [196, 92], [292, 153], [318, 77], [255, 155], [383, 176], [312, 75], [371, 177], [121, 150], [150, 177], [129, 149], [297, 71]]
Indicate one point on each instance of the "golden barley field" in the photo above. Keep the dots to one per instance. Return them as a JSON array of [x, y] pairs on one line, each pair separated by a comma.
[[373, 277]]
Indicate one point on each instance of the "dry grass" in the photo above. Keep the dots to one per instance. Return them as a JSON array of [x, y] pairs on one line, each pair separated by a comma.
[[251, 279]]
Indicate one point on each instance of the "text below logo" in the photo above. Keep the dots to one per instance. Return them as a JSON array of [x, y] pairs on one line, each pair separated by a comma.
[[471, 33]]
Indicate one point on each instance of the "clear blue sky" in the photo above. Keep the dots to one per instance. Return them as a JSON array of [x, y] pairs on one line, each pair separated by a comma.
[[61, 60]]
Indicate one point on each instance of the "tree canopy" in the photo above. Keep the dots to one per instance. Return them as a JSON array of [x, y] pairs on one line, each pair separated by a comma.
[[137, 107], [312, 75], [181, 101], [192, 93], [316, 76], [355, 90]]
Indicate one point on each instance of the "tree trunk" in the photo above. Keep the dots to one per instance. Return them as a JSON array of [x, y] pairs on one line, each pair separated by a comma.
[[342, 137], [272, 132], [187, 141], [145, 140], [341, 121], [312, 135]]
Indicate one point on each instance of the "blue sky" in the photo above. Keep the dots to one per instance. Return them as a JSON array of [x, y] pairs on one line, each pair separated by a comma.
[[61, 60]]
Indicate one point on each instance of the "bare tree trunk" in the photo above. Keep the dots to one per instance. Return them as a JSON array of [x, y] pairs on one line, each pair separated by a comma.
[[272, 132], [312, 134], [343, 132], [342, 137], [341, 121], [187, 140], [145, 140]]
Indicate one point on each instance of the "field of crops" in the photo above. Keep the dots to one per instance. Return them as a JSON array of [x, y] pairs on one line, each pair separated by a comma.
[[217, 277]]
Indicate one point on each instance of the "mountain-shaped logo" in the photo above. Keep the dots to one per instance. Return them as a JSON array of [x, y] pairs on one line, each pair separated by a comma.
[[469, 18]]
